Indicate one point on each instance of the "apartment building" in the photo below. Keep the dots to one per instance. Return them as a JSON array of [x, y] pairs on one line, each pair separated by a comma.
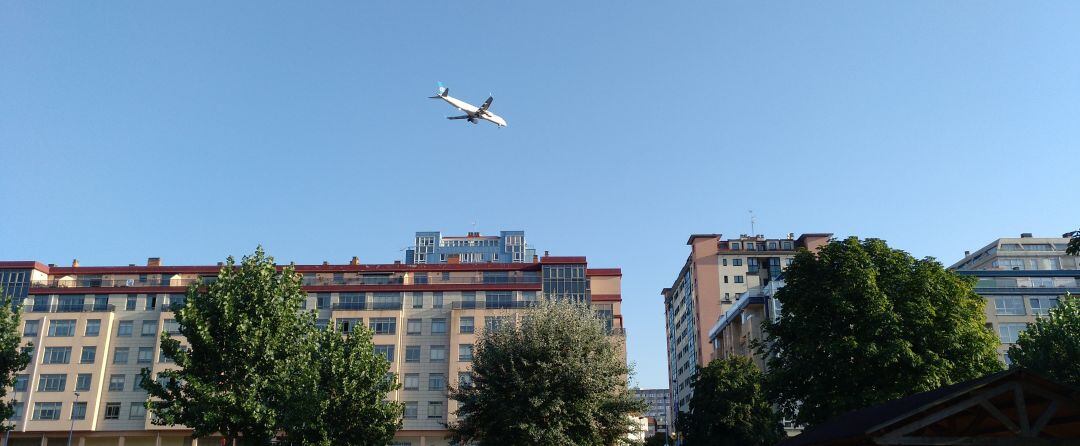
[[1021, 279], [715, 274], [433, 248], [94, 328], [659, 412]]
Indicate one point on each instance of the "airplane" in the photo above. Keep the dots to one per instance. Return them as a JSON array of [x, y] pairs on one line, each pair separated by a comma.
[[472, 113]]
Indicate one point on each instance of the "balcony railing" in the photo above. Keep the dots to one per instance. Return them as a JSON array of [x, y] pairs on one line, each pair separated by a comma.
[[117, 283], [68, 308], [307, 281], [367, 306], [498, 305]]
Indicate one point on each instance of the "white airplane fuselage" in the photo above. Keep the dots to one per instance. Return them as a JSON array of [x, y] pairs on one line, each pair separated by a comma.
[[473, 111]]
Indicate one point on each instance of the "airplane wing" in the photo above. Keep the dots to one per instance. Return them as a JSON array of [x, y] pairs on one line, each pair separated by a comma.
[[487, 103], [458, 117]]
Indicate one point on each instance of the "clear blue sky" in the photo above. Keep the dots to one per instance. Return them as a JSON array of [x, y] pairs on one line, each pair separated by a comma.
[[192, 131]]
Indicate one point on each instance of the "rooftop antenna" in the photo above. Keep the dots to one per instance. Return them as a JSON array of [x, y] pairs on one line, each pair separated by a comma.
[[474, 224], [753, 220]]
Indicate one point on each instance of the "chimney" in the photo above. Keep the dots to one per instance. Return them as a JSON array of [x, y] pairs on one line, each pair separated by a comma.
[[75, 263], [131, 264], [220, 263], [474, 234], [967, 253], [355, 261], [546, 254], [325, 263], [1025, 235], [536, 259], [52, 265], [153, 261], [396, 262]]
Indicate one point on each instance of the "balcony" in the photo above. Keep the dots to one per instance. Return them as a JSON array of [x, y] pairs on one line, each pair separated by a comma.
[[117, 283], [390, 281], [68, 308]]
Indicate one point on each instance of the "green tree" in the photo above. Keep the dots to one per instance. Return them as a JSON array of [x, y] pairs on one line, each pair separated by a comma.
[[347, 402], [246, 354], [552, 377], [13, 358], [862, 323], [1074, 243], [1051, 345], [729, 407]]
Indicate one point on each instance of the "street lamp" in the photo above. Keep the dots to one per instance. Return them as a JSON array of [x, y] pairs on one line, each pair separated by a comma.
[[71, 430]]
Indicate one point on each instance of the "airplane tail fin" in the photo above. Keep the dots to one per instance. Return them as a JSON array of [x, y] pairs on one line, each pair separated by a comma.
[[443, 92]]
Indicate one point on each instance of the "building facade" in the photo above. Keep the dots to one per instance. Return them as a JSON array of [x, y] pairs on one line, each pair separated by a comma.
[[94, 329], [1021, 279], [659, 412], [715, 274], [433, 248]]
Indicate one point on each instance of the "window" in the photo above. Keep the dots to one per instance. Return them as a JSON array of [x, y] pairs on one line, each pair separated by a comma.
[[82, 382], [465, 325], [434, 409], [351, 301], [723, 262], [112, 411], [89, 355], [438, 353], [736, 262], [93, 327], [771, 245], [438, 325], [1010, 332], [445, 275], [172, 327], [414, 326], [787, 246], [322, 300], [420, 278], [411, 382], [738, 279], [57, 355], [131, 300], [734, 245], [384, 325], [494, 322], [725, 279], [21, 382], [146, 355], [751, 246], [465, 352], [437, 300], [125, 328], [410, 410], [151, 300], [412, 353], [386, 351], [137, 411], [17, 410], [52, 383], [436, 381], [47, 411], [63, 328], [78, 411], [149, 328], [418, 300], [116, 383], [1009, 305], [120, 355], [30, 328], [348, 325], [136, 382], [464, 379]]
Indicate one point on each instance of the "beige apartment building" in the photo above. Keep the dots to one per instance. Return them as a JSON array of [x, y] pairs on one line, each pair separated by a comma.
[[715, 274], [94, 328], [1021, 279]]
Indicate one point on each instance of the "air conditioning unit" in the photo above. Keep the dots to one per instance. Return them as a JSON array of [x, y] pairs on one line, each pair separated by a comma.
[[129, 282]]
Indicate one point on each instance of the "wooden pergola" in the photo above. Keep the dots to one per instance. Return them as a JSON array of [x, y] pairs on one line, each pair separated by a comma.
[[1010, 408]]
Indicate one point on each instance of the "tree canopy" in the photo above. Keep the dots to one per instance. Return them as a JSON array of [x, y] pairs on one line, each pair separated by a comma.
[[245, 353], [13, 358], [552, 377], [729, 407], [1074, 243], [1051, 345], [862, 323], [346, 403]]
